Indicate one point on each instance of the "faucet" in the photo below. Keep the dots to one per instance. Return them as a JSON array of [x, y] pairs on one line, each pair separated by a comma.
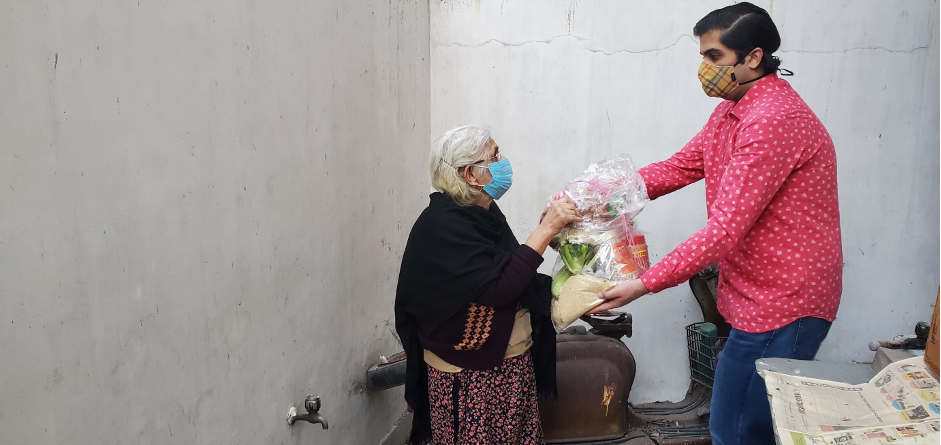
[[312, 405]]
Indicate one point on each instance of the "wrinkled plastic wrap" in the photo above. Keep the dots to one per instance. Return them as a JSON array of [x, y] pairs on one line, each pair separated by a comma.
[[604, 193], [605, 248], [579, 295]]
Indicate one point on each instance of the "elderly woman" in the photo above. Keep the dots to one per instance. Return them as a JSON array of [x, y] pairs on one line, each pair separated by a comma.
[[471, 311]]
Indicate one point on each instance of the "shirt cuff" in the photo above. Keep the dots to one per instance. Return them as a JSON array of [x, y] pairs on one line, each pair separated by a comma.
[[654, 285]]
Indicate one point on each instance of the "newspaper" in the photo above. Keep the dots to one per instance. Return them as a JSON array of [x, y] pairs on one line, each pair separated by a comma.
[[899, 405]]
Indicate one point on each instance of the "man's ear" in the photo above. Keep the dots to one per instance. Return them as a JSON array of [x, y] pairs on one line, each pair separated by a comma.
[[753, 60]]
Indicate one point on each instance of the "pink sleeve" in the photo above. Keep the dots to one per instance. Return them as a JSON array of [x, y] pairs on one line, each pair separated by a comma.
[[765, 155], [686, 166], [682, 169]]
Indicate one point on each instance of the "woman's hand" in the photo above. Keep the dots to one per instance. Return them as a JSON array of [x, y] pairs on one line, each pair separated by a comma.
[[560, 213], [621, 295]]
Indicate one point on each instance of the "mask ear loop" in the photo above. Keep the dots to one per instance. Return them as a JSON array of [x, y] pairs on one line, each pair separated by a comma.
[[480, 188], [740, 61]]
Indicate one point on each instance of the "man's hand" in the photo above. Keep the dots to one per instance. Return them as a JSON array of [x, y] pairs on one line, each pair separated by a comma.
[[621, 295]]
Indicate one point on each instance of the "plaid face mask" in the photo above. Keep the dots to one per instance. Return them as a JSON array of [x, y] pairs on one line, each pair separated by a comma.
[[717, 81]]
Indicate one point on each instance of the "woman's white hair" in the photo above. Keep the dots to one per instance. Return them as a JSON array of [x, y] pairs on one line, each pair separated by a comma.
[[455, 149]]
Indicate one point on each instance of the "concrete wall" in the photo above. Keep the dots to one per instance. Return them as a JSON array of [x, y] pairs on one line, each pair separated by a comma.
[[203, 206], [568, 82]]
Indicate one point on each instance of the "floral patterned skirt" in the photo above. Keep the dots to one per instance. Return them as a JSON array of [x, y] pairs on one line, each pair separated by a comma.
[[497, 407]]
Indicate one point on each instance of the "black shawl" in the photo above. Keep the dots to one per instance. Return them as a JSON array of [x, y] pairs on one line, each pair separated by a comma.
[[452, 253]]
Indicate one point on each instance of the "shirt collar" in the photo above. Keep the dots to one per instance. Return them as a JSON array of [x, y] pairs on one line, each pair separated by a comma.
[[761, 87]]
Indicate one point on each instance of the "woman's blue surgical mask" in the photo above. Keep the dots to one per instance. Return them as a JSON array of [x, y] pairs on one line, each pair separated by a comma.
[[502, 173]]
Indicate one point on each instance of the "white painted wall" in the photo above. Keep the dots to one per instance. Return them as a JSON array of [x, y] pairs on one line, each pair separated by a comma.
[[203, 206], [565, 83]]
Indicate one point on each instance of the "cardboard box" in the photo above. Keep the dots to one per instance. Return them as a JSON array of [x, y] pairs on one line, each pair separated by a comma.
[[931, 350]]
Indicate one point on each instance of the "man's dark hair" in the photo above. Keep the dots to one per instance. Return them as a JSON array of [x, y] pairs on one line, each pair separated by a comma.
[[744, 27]]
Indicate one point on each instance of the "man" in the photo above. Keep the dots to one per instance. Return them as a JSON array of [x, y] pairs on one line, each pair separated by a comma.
[[773, 218]]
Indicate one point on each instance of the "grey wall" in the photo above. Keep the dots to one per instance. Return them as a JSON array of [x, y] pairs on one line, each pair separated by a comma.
[[203, 206], [565, 83]]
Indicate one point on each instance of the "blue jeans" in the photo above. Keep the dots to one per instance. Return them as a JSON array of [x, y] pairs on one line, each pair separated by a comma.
[[740, 413]]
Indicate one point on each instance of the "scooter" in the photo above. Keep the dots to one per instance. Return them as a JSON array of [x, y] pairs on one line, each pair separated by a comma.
[[595, 374]]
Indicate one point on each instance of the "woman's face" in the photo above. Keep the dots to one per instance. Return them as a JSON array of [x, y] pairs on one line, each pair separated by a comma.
[[477, 174]]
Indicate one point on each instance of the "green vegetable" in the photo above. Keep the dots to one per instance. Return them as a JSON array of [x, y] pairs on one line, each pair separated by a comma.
[[559, 280], [594, 257], [576, 256], [565, 252]]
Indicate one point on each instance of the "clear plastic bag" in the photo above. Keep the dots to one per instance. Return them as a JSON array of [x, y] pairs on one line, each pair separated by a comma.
[[579, 295], [605, 248], [605, 193]]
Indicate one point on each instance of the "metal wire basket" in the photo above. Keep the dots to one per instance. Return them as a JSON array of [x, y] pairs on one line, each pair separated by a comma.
[[703, 354]]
